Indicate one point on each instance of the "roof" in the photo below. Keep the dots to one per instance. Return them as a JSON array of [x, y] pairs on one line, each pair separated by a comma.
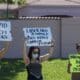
[[9, 6], [53, 2]]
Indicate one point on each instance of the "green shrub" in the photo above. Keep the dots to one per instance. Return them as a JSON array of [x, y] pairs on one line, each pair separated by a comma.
[[2, 1], [21, 2]]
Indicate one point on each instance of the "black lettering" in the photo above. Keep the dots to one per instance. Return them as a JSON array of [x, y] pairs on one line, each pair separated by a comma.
[[31, 30], [32, 33], [40, 33], [37, 30], [4, 25], [42, 30], [33, 41], [46, 33], [3, 36]]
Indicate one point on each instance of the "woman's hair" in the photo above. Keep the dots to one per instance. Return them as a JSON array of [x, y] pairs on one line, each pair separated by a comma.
[[77, 45], [31, 49]]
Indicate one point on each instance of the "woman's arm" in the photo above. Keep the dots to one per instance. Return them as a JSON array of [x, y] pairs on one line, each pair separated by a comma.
[[47, 56], [4, 50], [25, 57]]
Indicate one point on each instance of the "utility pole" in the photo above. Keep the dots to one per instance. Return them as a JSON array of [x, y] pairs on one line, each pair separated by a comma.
[[7, 9]]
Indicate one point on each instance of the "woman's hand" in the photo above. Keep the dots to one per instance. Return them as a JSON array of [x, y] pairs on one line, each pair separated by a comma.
[[52, 43], [25, 57], [27, 60], [51, 51]]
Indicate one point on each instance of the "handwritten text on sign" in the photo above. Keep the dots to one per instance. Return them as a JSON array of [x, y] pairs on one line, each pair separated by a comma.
[[75, 63], [38, 36], [5, 28]]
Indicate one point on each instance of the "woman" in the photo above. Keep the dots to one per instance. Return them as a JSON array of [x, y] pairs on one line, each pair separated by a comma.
[[33, 60]]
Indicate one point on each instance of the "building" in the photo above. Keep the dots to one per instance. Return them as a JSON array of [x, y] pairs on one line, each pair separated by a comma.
[[61, 15], [50, 7]]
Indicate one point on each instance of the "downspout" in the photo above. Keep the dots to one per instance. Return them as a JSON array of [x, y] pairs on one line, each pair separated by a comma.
[[60, 45]]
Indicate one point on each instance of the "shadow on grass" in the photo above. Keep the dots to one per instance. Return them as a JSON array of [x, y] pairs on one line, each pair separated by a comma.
[[10, 67]]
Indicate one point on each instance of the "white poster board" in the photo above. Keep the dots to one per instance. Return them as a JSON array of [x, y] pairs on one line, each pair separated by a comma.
[[38, 36], [5, 31]]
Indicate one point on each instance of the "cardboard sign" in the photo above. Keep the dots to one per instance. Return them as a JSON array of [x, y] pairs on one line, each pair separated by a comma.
[[5, 31], [38, 36], [75, 63]]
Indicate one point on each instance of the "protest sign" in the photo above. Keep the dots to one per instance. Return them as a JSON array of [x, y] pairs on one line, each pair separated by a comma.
[[5, 31], [38, 36], [75, 63]]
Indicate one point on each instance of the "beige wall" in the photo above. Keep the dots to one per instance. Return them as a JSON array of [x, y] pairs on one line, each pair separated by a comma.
[[16, 46], [70, 35], [64, 44]]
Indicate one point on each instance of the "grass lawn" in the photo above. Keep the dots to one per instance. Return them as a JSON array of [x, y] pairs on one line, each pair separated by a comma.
[[55, 69]]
